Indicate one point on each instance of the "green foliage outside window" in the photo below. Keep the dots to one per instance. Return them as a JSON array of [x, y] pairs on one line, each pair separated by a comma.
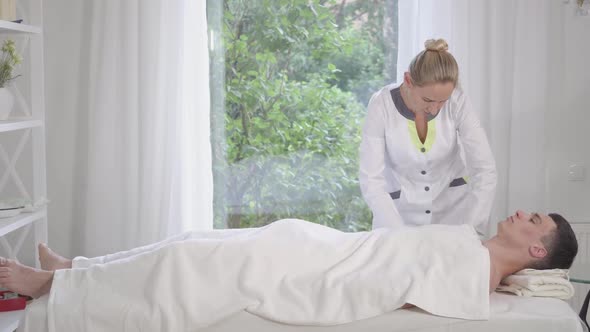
[[296, 76]]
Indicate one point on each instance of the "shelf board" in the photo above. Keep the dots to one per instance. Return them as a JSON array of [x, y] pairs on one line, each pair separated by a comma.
[[10, 125], [11, 27], [9, 320], [8, 225]]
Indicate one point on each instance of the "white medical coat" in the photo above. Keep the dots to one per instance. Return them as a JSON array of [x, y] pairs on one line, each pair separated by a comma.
[[405, 181]]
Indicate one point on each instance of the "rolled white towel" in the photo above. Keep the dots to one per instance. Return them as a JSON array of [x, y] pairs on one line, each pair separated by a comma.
[[543, 283], [549, 273]]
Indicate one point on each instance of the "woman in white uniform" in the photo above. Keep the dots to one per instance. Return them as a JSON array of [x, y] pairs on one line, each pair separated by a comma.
[[411, 168]]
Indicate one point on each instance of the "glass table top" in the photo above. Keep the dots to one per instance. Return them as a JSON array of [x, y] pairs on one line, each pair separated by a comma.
[[580, 273], [585, 280]]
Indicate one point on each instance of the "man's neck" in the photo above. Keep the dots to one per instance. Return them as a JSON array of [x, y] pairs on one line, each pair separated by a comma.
[[503, 259]]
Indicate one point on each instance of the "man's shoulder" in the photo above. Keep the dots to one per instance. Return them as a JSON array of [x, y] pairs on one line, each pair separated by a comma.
[[439, 234], [462, 228]]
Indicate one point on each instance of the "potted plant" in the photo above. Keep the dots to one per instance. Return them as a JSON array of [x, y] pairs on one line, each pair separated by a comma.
[[8, 61]]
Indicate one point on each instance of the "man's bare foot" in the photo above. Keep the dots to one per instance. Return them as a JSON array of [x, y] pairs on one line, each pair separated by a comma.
[[50, 261], [23, 279]]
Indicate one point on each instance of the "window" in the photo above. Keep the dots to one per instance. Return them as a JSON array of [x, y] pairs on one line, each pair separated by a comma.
[[290, 80]]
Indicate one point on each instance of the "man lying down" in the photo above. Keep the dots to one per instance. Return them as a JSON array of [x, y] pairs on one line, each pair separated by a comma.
[[290, 271]]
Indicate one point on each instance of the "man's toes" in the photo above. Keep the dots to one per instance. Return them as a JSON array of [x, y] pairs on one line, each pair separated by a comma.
[[7, 262]]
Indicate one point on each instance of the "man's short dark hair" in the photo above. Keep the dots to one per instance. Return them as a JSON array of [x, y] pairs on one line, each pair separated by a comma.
[[561, 245]]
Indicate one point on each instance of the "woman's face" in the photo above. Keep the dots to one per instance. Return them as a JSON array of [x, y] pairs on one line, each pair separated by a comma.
[[429, 98]]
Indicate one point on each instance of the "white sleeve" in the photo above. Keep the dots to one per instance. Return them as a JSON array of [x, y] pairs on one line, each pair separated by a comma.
[[372, 168], [480, 164]]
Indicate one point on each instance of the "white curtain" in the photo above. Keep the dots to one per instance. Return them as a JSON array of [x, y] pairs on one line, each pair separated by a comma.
[[507, 56], [142, 151]]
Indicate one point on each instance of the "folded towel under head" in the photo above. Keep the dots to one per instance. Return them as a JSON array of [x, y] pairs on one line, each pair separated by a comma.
[[542, 283]]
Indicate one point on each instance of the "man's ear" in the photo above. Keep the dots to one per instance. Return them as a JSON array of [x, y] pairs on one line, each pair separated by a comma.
[[537, 251], [408, 79]]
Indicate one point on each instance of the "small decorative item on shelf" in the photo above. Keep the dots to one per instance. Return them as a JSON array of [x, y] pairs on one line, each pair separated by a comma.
[[9, 59], [11, 207], [8, 10], [582, 9], [10, 301]]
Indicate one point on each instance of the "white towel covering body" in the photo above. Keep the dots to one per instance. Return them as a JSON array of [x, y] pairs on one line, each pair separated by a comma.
[[290, 271]]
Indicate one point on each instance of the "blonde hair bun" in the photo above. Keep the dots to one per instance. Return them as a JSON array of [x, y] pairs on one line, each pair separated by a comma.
[[438, 45], [434, 64]]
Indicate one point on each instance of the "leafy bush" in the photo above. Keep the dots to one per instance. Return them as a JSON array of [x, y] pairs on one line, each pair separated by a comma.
[[296, 85]]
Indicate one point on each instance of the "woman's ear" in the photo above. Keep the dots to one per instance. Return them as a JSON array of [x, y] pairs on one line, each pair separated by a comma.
[[537, 251], [408, 80]]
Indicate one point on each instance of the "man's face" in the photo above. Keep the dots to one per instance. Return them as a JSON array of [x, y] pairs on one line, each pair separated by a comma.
[[526, 230]]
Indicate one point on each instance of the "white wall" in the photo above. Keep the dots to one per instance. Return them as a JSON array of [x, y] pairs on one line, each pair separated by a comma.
[[62, 27], [569, 137], [569, 120]]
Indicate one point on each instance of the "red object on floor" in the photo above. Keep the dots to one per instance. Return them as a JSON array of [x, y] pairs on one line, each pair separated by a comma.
[[16, 303]]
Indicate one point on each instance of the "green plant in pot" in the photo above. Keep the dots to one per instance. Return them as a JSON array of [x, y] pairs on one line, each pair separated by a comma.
[[9, 59]]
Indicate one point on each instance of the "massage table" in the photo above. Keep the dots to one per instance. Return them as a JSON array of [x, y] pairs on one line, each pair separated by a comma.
[[508, 313]]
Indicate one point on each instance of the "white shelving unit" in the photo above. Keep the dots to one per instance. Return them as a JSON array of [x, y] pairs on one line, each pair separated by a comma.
[[6, 126], [22, 142], [12, 27], [9, 320]]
